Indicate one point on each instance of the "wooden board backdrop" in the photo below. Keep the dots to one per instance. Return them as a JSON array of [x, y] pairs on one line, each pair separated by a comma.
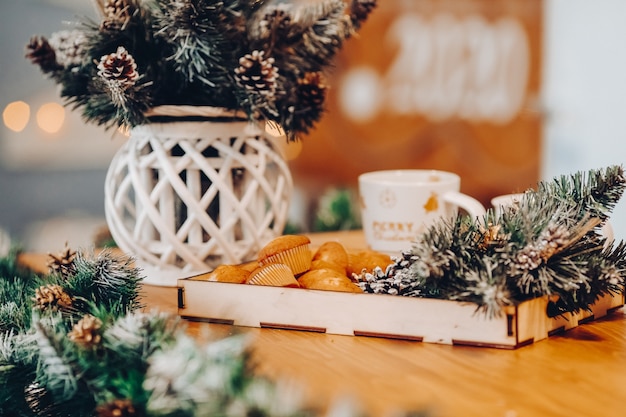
[[443, 84]]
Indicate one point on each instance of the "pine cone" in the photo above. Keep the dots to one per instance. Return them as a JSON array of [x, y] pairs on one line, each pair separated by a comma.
[[119, 69], [529, 258], [360, 10], [87, 331], [490, 236], [51, 296], [117, 13], [116, 408], [41, 53], [63, 263], [312, 90], [116, 8], [33, 395], [553, 240], [256, 73]]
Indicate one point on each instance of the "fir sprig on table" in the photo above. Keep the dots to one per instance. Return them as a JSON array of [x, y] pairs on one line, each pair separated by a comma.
[[547, 244], [16, 286], [79, 345], [263, 57], [40, 343]]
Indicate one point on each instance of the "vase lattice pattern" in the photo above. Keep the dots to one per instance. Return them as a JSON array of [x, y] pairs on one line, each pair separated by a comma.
[[193, 195]]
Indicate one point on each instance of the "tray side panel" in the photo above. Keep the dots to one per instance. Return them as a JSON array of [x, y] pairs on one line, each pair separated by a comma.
[[394, 317], [429, 320]]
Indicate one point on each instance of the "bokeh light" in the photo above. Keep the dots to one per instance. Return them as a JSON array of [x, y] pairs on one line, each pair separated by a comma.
[[16, 115], [50, 117]]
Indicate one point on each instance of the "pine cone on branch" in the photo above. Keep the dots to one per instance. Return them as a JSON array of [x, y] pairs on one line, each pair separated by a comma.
[[119, 69], [87, 331], [113, 8], [51, 297], [117, 13], [62, 263], [257, 73], [312, 90], [489, 236], [41, 53]]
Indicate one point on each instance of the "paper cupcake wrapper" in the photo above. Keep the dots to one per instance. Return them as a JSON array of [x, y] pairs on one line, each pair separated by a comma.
[[276, 275], [298, 259]]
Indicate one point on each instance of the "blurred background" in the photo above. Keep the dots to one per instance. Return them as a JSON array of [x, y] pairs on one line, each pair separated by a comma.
[[503, 92]]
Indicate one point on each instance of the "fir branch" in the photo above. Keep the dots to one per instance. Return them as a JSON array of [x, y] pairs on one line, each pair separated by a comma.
[[215, 380], [485, 287], [55, 372], [17, 373], [203, 35], [15, 304], [326, 30], [548, 244], [187, 52], [302, 40], [106, 280], [595, 192], [141, 334], [116, 368], [17, 285], [123, 361]]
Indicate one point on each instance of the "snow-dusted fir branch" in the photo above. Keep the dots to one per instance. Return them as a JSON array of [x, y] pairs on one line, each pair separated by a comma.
[[266, 58], [87, 350]]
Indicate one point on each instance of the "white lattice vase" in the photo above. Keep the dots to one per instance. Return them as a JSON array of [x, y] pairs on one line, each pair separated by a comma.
[[185, 196]]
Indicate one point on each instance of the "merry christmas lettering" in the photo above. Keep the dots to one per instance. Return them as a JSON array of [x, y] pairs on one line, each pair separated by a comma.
[[394, 230]]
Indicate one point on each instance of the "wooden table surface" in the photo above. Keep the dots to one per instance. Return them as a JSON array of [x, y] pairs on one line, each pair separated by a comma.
[[581, 372]]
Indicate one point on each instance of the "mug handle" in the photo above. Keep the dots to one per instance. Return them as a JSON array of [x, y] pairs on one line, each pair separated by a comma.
[[473, 207]]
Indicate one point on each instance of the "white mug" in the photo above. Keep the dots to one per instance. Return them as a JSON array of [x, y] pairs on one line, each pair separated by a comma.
[[398, 205], [506, 200]]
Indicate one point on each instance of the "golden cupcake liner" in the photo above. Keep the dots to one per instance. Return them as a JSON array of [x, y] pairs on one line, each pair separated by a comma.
[[276, 275], [298, 259]]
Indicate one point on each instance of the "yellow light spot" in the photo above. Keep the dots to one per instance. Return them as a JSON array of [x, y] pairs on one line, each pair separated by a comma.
[[292, 149], [289, 149], [124, 131], [432, 204], [274, 129], [50, 117], [16, 115]]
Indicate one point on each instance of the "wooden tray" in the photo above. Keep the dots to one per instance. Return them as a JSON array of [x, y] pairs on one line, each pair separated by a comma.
[[375, 315]]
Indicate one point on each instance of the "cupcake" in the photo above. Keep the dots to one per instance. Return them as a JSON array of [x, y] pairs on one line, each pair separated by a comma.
[[322, 264], [229, 273], [276, 275], [329, 280], [366, 260], [333, 253], [291, 250]]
